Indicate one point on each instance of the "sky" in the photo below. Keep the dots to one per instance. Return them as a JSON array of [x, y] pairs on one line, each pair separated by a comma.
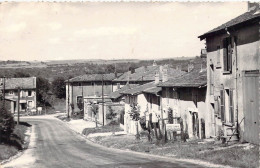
[[102, 30]]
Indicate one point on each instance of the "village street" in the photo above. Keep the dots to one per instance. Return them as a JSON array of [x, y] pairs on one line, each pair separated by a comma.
[[53, 144]]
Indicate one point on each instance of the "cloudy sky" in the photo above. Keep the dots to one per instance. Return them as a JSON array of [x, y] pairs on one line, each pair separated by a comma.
[[55, 31]]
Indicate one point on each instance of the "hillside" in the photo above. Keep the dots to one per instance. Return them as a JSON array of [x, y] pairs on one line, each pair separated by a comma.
[[72, 68]]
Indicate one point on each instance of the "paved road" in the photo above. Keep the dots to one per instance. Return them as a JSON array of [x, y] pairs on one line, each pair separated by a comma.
[[54, 145]]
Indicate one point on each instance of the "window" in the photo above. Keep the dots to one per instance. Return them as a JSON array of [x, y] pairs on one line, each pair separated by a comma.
[[79, 99], [222, 105], [159, 103], [29, 93], [118, 86], [218, 56], [167, 95], [231, 108], [227, 54], [211, 78], [11, 92], [151, 101]]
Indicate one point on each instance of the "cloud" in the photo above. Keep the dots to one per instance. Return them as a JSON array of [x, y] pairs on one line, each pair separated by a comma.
[[106, 31], [15, 27], [54, 25], [54, 40]]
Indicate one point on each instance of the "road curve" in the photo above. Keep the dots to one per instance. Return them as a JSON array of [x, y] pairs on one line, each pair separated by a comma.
[[54, 145]]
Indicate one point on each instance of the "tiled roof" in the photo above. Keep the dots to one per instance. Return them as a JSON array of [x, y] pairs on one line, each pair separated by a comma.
[[116, 94], [139, 89], [153, 90], [23, 83], [148, 74], [194, 78], [250, 15], [93, 77]]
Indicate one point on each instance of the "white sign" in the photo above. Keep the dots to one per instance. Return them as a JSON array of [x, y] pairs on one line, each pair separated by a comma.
[[173, 127]]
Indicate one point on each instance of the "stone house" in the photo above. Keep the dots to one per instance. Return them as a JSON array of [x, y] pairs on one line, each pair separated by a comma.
[[27, 89], [233, 77], [185, 96], [88, 85], [147, 97]]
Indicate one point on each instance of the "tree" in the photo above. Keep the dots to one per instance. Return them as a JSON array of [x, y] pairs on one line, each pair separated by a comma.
[[6, 123], [111, 115], [135, 116], [94, 109], [80, 104], [59, 87], [42, 92], [21, 74]]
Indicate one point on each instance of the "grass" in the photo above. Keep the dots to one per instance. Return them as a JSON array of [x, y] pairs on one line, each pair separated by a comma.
[[103, 129], [238, 155], [17, 142]]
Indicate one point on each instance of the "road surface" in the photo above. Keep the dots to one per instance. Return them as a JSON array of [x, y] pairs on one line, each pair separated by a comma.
[[54, 145]]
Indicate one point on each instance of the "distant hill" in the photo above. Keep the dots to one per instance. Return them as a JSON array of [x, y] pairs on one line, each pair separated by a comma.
[[72, 68]]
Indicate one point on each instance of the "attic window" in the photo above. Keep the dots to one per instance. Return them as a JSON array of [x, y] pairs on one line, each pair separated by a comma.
[[227, 54]]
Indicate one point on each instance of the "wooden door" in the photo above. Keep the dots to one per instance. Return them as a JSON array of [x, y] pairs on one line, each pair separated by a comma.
[[251, 106]]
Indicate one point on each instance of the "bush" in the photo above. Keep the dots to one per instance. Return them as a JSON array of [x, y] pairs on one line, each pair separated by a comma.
[[6, 123]]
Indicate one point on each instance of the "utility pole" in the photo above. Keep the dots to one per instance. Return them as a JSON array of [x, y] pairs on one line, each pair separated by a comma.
[[68, 98], [18, 103], [4, 91], [103, 99]]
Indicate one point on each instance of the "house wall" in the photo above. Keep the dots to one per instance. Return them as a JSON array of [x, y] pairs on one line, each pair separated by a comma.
[[86, 89], [183, 103], [245, 57], [24, 98]]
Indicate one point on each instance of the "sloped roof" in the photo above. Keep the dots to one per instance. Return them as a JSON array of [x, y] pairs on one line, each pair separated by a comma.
[[139, 89], [116, 94], [148, 74], [93, 77], [245, 17], [153, 90], [23, 83], [194, 78]]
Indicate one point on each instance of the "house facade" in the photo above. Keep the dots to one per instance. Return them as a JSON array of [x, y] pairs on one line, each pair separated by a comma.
[[147, 97], [186, 98], [22, 89], [89, 85], [233, 77]]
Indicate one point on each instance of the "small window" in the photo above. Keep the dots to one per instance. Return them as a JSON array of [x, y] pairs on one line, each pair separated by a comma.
[[79, 99], [29, 93]]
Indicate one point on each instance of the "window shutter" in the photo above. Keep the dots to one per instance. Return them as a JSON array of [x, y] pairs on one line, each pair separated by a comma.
[[229, 68], [222, 105], [231, 108], [225, 54]]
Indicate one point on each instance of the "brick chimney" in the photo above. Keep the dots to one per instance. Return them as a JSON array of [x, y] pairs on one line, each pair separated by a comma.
[[165, 74], [253, 6]]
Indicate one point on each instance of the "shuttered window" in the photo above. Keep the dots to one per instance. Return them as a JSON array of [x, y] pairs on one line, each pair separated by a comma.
[[227, 54], [231, 108], [218, 55], [222, 105]]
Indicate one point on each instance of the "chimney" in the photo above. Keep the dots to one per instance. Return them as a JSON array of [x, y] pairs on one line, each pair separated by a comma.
[[190, 67], [253, 6], [157, 78], [154, 63], [165, 75]]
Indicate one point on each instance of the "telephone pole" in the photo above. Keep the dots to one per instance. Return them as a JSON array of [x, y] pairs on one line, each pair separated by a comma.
[[18, 104], [103, 99]]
